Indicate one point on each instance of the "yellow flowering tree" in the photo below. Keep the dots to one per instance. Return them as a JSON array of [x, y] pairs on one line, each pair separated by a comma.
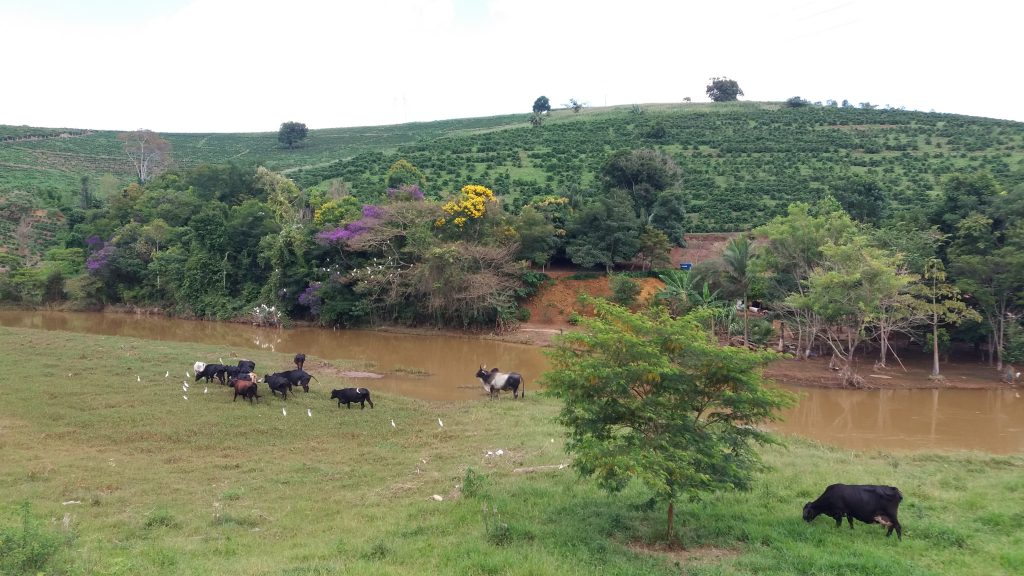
[[470, 206]]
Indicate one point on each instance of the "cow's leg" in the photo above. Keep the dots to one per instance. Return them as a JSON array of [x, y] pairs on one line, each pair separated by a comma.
[[236, 396], [849, 518], [839, 520], [362, 404], [370, 401], [348, 405]]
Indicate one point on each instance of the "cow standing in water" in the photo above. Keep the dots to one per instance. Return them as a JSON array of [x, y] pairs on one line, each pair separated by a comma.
[[495, 381]]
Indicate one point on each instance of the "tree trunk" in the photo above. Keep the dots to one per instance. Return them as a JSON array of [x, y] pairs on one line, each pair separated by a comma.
[[935, 345], [746, 327], [671, 515], [884, 338]]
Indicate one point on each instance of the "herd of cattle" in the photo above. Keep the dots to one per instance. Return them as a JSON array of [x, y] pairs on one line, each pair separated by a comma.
[[244, 381], [869, 503]]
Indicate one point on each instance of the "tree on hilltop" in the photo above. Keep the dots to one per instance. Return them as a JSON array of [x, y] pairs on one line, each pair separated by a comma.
[[723, 90], [541, 104], [148, 152], [291, 133]]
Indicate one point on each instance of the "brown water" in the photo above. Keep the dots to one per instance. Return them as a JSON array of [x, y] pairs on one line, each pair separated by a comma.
[[442, 368]]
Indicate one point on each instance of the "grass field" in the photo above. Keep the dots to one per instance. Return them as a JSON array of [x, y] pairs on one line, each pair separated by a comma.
[[103, 474]]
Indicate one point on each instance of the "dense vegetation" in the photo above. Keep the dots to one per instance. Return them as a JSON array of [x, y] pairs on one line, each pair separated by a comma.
[[432, 223], [103, 474]]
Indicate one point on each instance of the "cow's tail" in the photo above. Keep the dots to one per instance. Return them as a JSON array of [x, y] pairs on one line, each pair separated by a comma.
[[314, 378]]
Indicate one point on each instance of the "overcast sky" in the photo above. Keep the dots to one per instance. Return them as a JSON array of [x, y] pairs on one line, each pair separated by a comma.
[[249, 65]]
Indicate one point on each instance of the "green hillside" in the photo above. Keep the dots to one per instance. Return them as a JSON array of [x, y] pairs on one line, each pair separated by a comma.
[[742, 163]]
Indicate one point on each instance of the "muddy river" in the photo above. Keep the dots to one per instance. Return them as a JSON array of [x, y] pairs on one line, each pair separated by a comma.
[[442, 367]]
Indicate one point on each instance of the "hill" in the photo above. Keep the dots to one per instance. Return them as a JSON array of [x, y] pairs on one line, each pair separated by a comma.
[[742, 163]]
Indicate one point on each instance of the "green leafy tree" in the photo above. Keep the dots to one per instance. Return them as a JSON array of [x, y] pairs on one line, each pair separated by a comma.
[[403, 173], [291, 133], [723, 90], [652, 398], [654, 249], [792, 250], [541, 105], [536, 236], [942, 305], [604, 232], [846, 293], [643, 173]]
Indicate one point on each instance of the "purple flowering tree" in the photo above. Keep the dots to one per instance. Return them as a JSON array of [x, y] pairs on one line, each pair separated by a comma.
[[310, 297], [371, 216], [98, 260], [405, 193]]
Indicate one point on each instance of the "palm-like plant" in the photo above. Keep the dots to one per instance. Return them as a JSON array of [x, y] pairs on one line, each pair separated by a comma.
[[737, 257]]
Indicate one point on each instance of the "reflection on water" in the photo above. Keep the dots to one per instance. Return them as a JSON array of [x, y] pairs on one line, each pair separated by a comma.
[[986, 420], [442, 368]]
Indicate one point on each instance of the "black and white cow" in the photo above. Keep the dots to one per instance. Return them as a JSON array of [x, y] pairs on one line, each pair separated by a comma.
[[211, 371], [868, 503], [350, 395], [495, 381]]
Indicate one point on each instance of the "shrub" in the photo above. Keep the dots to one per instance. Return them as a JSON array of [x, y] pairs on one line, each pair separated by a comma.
[[27, 548], [624, 290]]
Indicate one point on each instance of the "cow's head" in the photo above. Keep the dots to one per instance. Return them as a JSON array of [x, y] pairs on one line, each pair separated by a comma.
[[335, 394], [809, 512], [482, 373]]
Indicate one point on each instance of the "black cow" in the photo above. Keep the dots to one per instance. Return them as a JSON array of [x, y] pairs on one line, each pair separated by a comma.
[[278, 383], [494, 381], [246, 389], [868, 503], [247, 365], [298, 378], [211, 371], [350, 395], [300, 359]]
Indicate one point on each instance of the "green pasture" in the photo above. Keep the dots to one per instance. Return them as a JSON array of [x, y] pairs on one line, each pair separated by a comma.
[[101, 473]]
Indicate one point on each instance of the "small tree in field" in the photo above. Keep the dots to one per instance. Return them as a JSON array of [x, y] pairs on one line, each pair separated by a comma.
[[291, 133], [541, 105], [652, 398], [723, 90]]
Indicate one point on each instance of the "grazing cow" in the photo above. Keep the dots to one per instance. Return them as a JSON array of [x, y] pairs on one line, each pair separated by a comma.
[[298, 378], [495, 381], [247, 365], [246, 389], [198, 366], [868, 503], [350, 395], [211, 371], [278, 383], [300, 359]]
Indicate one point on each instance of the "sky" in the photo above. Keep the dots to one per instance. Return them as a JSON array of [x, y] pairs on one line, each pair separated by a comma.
[[249, 65]]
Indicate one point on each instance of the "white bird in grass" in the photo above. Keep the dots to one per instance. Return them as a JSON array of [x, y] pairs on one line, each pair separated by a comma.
[[138, 378], [186, 374], [284, 412], [167, 374], [205, 390], [309, 412], [439, 423], [184, 396], [221, 360], [184, 388], [393, 423]]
